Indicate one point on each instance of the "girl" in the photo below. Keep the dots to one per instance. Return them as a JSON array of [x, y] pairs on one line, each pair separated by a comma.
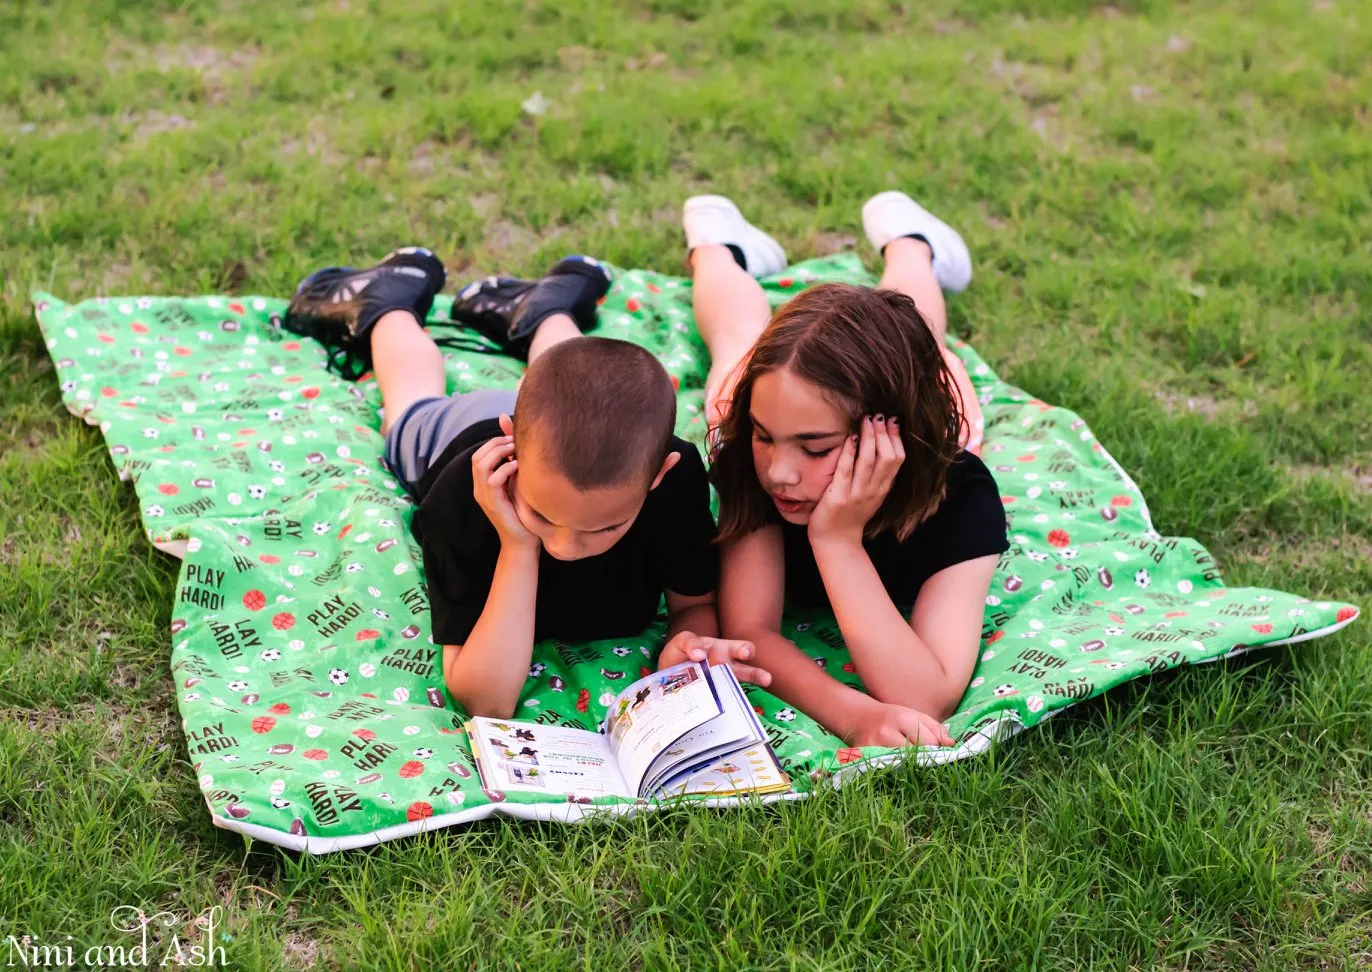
[[847, 470]]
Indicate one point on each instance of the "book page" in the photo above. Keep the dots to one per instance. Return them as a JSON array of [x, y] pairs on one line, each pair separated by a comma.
[[654, 712], [723, 734], [526, 757], [751, 770]]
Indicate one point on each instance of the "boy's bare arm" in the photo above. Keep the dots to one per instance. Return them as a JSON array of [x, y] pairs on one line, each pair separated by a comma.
[[486, 674], [694, 614]]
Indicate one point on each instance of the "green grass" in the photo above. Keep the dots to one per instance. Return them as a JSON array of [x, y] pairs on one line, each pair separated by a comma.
[[1168, 206]]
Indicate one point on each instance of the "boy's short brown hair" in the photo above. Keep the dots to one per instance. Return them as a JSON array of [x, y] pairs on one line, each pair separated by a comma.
[[600, 410]]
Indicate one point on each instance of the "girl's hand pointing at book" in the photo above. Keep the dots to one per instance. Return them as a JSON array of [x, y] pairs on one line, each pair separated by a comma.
[[686, 646]]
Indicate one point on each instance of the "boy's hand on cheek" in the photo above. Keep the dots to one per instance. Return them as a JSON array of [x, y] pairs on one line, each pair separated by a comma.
[[491, 474], [867, 467], [686, 646]]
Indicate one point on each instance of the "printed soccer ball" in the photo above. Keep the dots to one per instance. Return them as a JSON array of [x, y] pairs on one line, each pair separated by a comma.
[[1001, 691], [1068, 553], [1037, 556], [149, 433], [786, 715], [621, 650], [279, 803], [354, 567], [381, 614], [537, 669], [256, 491], [276, 465], [1142, 578], [1114, 630], [271, 654], [338, 676], [320, 529], [230, 757], [155, 510], [238, 685], [423, 753]]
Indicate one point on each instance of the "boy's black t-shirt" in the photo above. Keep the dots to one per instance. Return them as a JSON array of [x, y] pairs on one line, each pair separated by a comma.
[[969, 523], [669, 547]]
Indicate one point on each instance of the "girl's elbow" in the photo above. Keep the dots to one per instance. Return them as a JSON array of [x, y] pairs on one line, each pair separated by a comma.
[[937, 698]]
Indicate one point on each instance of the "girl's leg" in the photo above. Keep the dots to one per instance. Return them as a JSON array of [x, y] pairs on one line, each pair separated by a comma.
[[910, 270], [726, 253], [731, 311], [407, 364]]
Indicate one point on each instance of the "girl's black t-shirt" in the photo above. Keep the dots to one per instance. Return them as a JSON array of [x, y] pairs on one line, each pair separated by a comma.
[[969, 523]]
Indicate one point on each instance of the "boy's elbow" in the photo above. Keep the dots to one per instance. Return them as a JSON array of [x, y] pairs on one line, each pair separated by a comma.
[[476, 702], [481, 704], [470, 687], [492, 710]]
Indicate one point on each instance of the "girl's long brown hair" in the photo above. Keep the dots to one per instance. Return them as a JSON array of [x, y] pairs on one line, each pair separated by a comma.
[[872, 353]]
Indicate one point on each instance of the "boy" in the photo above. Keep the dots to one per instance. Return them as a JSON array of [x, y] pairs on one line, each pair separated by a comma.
[[577, 531]]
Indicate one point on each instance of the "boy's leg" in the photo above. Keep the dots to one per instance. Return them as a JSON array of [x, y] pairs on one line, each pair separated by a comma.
[[526, 317], [553, 330], [339, 306], [407, 364], [731, 311]]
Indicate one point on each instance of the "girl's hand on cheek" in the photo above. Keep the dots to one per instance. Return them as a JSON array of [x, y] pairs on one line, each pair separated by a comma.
[[867, 466]]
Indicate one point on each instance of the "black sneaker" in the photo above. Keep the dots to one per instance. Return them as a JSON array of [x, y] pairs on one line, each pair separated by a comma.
[[338, 306], [508, 310]]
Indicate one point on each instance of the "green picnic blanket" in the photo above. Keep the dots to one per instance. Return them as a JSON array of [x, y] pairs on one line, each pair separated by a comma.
[[311, 695]]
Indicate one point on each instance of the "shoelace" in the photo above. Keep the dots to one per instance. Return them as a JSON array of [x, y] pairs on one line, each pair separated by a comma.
[[462, 341]]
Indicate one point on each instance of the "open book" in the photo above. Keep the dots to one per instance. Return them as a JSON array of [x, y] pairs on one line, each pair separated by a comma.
[[684, 730]]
